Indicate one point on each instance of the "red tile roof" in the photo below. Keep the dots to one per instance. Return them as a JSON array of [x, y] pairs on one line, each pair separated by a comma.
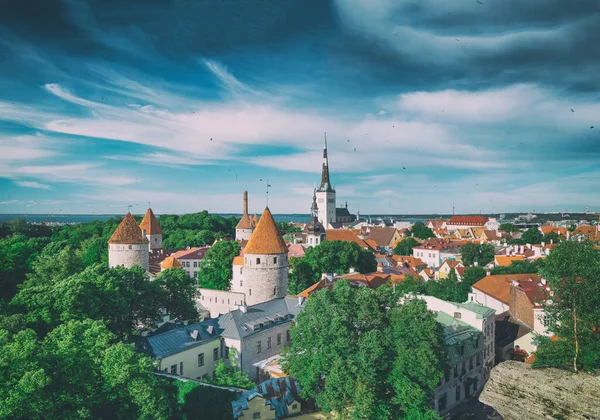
[[128, 232], [498, 286], [506, 260], [196, 253], [150, 224], [468, 220], [170, 262], [345, 235], [266, 240]]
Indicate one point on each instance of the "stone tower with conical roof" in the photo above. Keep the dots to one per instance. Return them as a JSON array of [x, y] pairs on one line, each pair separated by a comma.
[[314, 230], [128, 246], [265, 263], [151, 230], [326, 194], [245, 227]]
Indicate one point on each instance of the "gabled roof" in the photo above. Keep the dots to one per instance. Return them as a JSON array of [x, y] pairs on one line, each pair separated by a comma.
[[196, 253], [266, 240], [468, 220], [498, 286], [321, 284], [128, 232], [382, 235], [239, 260], [181, 339], [506, 260], [170, 262], [150, 224], [451, 263], [345, 235]]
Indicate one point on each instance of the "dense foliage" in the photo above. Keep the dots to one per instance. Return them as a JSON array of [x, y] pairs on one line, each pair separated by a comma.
[[520, 267], [328, 257], [230, 375], [419, 230], [508, 227], [472, 253], [573, 273], [201, 402], [405, 246], [216, 266], [358, 352], [195, 229]]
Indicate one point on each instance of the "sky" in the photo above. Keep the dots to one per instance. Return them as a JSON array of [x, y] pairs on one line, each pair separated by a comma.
[[490, 106]]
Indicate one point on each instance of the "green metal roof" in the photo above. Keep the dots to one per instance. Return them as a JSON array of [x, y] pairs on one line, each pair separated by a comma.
[[459, 334], [480, 310]]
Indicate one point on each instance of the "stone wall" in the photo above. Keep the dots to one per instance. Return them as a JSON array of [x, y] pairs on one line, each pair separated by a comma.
[[218, 302], [242, 234], [518, 392], [155, 241], [128, 255], [521, 307], [265, 280]]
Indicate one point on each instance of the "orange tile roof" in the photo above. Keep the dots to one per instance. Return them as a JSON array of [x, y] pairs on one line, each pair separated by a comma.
[[195, 253], [239, 260], [451, 263], [429, 272], [128, 232], [266, 240], [411, 261], [547, 229], [506, 260], [372, 243], [321, 284], [498, 286], [170, 262], [468, 220], [591, 232], [150, 224], [345, 235], [244, 223]]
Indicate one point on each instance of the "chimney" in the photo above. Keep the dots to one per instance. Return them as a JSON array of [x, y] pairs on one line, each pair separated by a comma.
[[352, 270], [380, 267], [521, 250], [243, 308], [144, 233], [300, 300], [544, 243], [245, 202], [551, 241], [507, 251]]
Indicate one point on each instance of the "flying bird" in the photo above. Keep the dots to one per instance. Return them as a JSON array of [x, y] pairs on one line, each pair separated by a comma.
[[479, 2], [572, 110]]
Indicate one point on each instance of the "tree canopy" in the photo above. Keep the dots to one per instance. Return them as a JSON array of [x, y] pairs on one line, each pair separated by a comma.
[[405, 246], [216, 266], [573, 273], [520, 267], [356, 350], [508, 227], [419, 230], [472, 253], [328, 257]]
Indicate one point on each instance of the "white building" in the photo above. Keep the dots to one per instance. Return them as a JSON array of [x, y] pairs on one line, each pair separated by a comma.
[[326, 195], [128, 246], [190, 260]]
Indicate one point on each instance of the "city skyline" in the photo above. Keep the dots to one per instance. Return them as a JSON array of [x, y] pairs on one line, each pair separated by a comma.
[[490, 108]]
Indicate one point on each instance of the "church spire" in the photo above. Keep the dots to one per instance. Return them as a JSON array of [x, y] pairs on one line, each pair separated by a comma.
[[325, 182], [314, 210]]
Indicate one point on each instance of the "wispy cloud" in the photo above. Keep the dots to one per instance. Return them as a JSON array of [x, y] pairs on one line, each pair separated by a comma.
[[32, 184], [228, 80]]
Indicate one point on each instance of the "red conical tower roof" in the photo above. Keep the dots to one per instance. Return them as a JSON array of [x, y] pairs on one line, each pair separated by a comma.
[[150, 224], [128, 232], [266, 238]]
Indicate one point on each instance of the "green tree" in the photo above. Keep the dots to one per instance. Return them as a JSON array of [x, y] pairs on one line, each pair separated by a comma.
[[419, 230], [78, 371], [285, 227], [405, 246], [230, 375], [202, 402], [573, 273], [532, 236], [216, 267], [475, 253], [551, 237], [94, 251], [356, 351], [55, 264], [179, 294], [472, 275], [301, 275], [508, 227], [520, 267]]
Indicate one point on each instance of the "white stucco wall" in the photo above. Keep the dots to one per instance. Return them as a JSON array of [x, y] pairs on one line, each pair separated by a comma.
[[326, 205], [128, 255], [431, 257], [250, 356], [237, 280], [190, 360], [242, 234], [219, 302], [490, 302]]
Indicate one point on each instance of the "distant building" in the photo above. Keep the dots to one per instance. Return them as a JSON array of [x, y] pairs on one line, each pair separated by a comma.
[[170, 262], [464, 222], [343, 215], [128, 246], [151, 230], [271, 399], [314, 232], [190, 259]]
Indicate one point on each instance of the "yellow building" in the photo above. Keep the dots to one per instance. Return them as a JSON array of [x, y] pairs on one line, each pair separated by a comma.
[[447, 266], [271, 399], [192, 351]]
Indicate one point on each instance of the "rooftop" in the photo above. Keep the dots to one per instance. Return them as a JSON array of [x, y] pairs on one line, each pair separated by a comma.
[[345, 235], [181, 339], [498, 286], [196, 253], [480, 310], [128, 232], [150, 224], [170, 262], [266, 240]]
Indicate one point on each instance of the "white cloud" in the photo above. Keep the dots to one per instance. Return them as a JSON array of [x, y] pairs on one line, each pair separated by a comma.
[[228, 80], [32, 184]]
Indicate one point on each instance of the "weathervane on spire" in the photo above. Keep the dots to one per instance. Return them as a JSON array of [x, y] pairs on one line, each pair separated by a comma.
[[148, 204], [268, 185], [129, 208]]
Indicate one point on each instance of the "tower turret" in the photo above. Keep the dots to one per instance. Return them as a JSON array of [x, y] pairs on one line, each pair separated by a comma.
[[326, 193], [127, 246], [265, 262], [245, 227], [151, 230], [314, 230]]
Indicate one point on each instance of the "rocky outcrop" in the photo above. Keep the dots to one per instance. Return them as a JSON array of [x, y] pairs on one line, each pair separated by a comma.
[[518, 392]]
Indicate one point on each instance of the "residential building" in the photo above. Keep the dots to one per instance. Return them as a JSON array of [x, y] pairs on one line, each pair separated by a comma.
[[170, 262], [463, 222], [151, 230], [326, 195], [435, 251], [313, 233], [447, 266], [128, 246], [271, 399], [384, 237], [260, 331], [190, 259], [192, 351], [507, 260], [346, 235]]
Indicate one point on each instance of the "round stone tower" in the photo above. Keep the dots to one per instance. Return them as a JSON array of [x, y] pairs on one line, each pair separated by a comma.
[[265, 263], [151, 230], [128, 246]]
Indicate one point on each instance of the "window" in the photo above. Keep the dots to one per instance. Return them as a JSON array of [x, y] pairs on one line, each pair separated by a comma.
[[195, 274], [442, 402], [250, 292], [279, 338], [258, 261], [294, 406], [455, 371], [226, 350], [446, 375], [471, 363], [129, 246], [258, 350], [173, 369], [457, 392], [274, 260], [457, 315], [181, 368], [215, 354], [201, 359], [241, 283], [195, 264], [287, 335], [268, 342], [274, 291], [256, 415]]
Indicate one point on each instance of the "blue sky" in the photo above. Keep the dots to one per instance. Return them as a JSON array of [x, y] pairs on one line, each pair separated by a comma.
[[492, 106]]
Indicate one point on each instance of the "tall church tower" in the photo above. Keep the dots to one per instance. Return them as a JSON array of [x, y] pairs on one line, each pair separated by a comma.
[[265, 263], [151, 230], [326, 194]]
